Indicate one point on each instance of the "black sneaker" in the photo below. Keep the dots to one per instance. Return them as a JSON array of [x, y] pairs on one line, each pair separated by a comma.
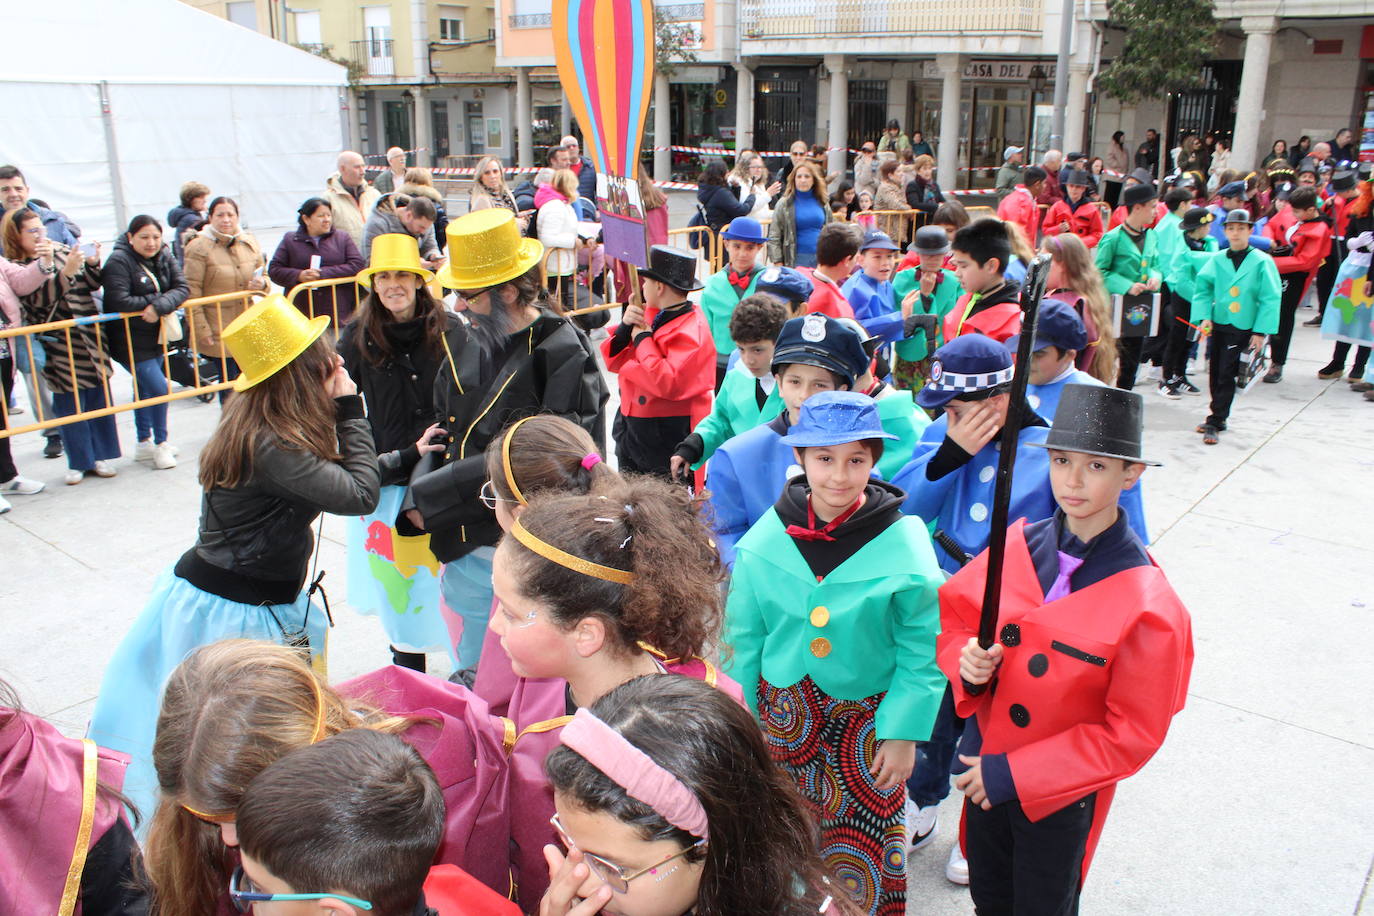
[[54, 447], [1187, 387], [1314, 322], [1169, 390]]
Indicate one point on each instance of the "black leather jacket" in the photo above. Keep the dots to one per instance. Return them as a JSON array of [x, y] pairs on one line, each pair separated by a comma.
[[255, 539]]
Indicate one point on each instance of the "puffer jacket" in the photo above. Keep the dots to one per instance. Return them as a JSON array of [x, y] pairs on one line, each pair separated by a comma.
[[217, 264], [557, 228], [386, 221], [132, 283]]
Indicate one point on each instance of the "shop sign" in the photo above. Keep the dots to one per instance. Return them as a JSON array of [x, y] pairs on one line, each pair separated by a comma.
[[1016, 70]]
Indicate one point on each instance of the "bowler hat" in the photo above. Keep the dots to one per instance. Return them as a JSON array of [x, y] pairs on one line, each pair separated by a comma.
[[1142, 176], [1343, 180], [1098, 420], [834, 418], [787, 284], [1196, 218], [673, 267], [931, 240], [821, 341], [966, 365], [267, 337], [745, 229], [1056, 325], [1137, 194], [1077, 177], [1308, 165], [485, 250], [1237, 217]]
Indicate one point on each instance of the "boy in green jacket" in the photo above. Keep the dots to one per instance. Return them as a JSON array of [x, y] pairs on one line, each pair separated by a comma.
[[930, 288], [726, 288], [1236, 302], [749, 395], [1128, 258], [1195, 247], [831, 619]]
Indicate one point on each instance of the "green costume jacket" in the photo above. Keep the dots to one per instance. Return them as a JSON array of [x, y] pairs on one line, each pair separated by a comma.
[[1169, 241], [899, 416], [1247, 299], [1185, 264], [940, 303], [1123, 264], [735, 410], [718, 301], [868, 627]]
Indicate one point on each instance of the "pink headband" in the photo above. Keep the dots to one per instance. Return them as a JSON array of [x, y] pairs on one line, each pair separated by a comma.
[[591, 461], [633, 770]]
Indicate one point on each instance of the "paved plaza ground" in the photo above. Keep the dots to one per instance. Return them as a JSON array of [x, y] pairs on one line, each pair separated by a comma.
[[1260, 802]]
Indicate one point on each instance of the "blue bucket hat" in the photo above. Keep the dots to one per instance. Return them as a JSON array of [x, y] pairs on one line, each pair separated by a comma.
[[876, 239], [787, 284], [745, 229], [1058, 325], [821, 341], [973, 362], [834, 418]]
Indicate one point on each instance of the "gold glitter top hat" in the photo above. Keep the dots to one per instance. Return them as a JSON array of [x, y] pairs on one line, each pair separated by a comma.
[[485, 249], [265, 338], [395, 251]]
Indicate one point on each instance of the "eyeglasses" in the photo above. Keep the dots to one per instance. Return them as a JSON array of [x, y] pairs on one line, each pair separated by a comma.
[[613, 875], [244, 895], [489, 498]]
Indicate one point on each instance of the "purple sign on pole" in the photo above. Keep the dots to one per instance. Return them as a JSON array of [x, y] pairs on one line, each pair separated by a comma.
[[622, 219]]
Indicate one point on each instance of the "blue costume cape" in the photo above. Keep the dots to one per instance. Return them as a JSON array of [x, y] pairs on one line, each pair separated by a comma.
[[745, 477]]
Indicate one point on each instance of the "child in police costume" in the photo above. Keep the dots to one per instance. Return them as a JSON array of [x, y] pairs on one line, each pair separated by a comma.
[[1235, 302], [831, 624], [749, 395], [1128, 258], [743, 238], [1092, 660], [814, 353], [896, 407], [791, 287], [929, 288]]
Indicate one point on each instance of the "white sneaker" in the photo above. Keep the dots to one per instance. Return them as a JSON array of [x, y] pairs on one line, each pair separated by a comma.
[[4, 505], [103, 469], [164, 456], [1152, 373], [956, 869], [144, 450], [920, 823], [21, 486], [74, 477]]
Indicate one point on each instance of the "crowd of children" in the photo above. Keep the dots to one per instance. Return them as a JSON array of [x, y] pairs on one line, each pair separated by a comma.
[[750, 693]]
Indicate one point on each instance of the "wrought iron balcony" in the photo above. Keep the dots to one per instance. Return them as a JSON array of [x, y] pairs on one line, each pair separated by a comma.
[[532, 21], [374, 56], [764, 19]]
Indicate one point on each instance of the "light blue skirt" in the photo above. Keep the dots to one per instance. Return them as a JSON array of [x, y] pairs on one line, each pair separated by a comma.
[[396, 578], [178, 619], [1349, 315]]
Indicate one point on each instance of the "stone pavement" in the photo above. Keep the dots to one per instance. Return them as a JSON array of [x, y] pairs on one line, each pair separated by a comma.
[[1260, 802]]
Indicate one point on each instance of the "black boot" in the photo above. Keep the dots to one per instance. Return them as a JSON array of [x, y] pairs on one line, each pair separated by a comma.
[[415, 661]]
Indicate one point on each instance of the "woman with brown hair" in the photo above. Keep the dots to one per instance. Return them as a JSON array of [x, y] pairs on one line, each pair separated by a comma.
[[292, 443], [891, 196], [798, 218], [489, 190], [222, 258], [1074, 278]]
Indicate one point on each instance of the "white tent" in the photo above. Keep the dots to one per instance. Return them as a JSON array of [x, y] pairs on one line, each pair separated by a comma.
[[110, 106]]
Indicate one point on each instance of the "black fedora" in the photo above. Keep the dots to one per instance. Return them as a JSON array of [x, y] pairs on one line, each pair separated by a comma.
[[1098, 420], [673, 267]]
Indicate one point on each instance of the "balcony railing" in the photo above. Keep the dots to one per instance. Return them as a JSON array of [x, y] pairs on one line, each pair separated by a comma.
[[681, 12], [374, 56], [532, 21], [761, 19]]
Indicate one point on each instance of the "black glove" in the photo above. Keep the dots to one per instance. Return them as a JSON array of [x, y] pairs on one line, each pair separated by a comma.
[[928, 323]]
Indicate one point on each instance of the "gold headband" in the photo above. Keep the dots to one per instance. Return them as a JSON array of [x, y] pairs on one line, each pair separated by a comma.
[[568, 561], [505, 460], [211, 818]]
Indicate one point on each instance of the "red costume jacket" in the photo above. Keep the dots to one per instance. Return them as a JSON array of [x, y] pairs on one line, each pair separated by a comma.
[[1088, 684], [667, 372], [826, 297], [1311, 242], [999, 320], [1085, 222], [1119, 216], [1020, 207]]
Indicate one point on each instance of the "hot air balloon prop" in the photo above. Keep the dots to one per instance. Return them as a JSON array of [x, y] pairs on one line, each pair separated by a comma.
[[605, 53]]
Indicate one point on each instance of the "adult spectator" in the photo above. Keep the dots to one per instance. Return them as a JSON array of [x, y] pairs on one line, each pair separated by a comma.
[[187, 217], [866, 169], [919, 146], [923, 193], [1300, 150], [1009, 175], [395, 172], [1221, 163], [1343, 146], [412, 216], [524, 193], [350, 196], [75, 375], [750, 176], [1118, 159], [1147, 154], [223, 258], [419, 182], [1097, 177], [893, 141], [586, 177], [717, 201], [14, 194], [1052, 190], [1321, 151], [558, 158], [1073, 162], [891, 196], [796, 153], [144, 281], [798, 219], [558, 234], [1278, 153], [1191, 155], [315, 250], [489, 190], [16, 281]]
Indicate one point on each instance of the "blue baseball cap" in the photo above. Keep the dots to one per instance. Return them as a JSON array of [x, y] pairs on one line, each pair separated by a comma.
[[745, 229], [1233, 189], [787, 284], [1058, 325], [819, 340], [834, 418], [877, 239], [973, 362]]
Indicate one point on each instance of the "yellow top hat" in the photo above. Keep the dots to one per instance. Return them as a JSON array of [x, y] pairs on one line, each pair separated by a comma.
[[485, 248], [394, 251], [266, 337]]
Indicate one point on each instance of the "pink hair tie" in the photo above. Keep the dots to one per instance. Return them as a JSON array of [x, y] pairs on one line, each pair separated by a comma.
[[591, 461], [635, 772]]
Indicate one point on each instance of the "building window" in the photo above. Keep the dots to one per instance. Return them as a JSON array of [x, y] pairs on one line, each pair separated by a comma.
[[308, 28], [244, 13], [451, 23]]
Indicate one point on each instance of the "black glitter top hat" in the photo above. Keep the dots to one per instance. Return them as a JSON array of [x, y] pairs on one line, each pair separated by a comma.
[[1097, 420]]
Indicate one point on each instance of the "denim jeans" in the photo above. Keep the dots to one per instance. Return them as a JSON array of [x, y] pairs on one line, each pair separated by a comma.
[[150, 383], [466, 587], [929, 782], [87, 441]]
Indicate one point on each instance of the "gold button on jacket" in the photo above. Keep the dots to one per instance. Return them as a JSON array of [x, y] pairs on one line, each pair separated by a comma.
[[820, 647]]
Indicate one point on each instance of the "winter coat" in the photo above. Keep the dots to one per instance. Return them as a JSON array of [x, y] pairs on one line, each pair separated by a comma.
[[923, 195], [1123, 265], [62, 299], [60, 227], [586, 180], [440, 214], [524, 194], [721, 205], [350, 214], [386, 221], [548, 367], [1008, 177], [339, 257], [387, 181], [1246, 299], [782, 231], [16, 281], [866, 175], [215, 265], [181, 228], [132, 283], [1019, 207], [557, 229]]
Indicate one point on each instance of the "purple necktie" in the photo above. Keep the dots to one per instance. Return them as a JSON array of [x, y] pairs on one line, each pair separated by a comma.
[[1068, 565]]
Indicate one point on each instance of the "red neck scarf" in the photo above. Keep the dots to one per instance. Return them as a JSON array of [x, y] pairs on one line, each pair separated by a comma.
[[812, 533]]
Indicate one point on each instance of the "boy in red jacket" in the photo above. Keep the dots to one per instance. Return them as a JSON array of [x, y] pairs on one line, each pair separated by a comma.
[[666, 362], [1019, 206], [991, 305], [1076, 214], [1091, 663], [837, 247], [1298, 251]]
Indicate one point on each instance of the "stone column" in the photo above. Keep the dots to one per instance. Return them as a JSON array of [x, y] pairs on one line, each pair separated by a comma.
[[663, 129], [1076, 111], [1254, 78], [951, 68], [744, 106], [524, 119], [838, 140], [420, 108]]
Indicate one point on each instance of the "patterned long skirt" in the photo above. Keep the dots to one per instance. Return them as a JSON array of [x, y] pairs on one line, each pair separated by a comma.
[[827, 746]]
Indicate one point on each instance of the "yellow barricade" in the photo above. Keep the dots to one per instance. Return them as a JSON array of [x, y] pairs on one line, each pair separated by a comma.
[[311, 306]]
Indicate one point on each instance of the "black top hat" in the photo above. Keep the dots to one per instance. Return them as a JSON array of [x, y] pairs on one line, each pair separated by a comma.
[[1343, 180], [1098, 420], [1137, 194], [673, 267]]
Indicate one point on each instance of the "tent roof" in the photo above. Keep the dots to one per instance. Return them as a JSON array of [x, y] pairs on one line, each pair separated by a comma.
[[148, 41]]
